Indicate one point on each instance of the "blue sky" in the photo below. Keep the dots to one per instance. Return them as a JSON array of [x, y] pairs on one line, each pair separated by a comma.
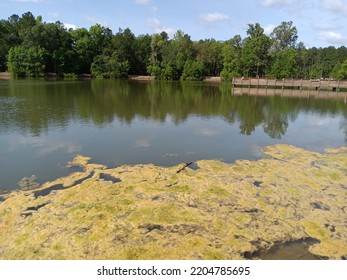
[[320, 23]]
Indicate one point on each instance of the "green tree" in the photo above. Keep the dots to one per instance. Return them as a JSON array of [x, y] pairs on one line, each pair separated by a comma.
[[255, 52], [58, 43], [25, 25], [118, 60], [16, 61], [4, 46], [101, 67], [9, 37], [231, 54], [12, 26], [168, 57], [84, 50], [183, 49], [255, 30], [158, 43], [285, 65], [90, 44], [142, 46], [101, 38], [193, 70], [26, 41], [314, 60], [26, 62], [335, 72], [123, 44], [302, 60], [342, 72], [284, 36]]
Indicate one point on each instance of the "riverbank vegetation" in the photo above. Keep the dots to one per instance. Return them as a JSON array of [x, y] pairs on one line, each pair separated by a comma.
[[30, 47]]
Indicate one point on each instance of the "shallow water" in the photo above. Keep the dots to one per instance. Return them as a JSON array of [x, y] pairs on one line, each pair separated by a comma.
[[294, 250], [45, 124]]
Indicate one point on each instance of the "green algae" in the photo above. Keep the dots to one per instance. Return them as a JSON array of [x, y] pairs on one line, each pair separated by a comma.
[[218, 211], [316, 231]]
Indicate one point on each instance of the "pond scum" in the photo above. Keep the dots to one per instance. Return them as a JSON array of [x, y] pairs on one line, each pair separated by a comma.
[[215, 211]]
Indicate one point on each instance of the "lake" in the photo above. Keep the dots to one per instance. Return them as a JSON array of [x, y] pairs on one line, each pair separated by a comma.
[[45, 124]]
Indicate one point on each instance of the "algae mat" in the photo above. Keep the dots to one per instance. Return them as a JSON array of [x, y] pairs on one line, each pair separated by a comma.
[[214, 211]]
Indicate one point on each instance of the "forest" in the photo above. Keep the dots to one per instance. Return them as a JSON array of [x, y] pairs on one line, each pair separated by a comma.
[[30, 47]]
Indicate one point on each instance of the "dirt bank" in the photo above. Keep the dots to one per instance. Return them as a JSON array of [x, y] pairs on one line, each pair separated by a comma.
[[141, 78], [5, 76], [215, 210], [212, 79]]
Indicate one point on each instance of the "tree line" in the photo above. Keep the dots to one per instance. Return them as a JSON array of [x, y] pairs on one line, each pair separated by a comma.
[[30, 47]]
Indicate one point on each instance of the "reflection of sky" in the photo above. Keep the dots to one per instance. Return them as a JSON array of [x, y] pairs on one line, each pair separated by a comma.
[[208, 132], [316, 132], [147, 137], [42, 146], [147, 141]]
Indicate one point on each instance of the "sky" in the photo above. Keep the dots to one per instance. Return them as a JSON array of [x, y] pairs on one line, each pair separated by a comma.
[[320, 23]]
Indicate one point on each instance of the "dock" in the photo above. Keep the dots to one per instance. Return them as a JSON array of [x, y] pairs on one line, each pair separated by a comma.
[[299, 84], [304, 93]]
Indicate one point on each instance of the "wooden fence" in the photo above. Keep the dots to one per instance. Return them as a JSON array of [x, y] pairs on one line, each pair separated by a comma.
[[318, 84], [304, 93]]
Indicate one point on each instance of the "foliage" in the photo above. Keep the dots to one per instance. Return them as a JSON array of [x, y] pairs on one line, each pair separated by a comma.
[[284, 36], [285, 64], [169, 57], [26, 62], [193, 70], [209, 52], [335, 72], [31, 47], [342, 71], [231, 54], [255, 52]]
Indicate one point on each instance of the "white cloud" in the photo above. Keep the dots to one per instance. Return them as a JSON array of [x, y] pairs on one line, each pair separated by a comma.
[[158, 27], [147, 2], [325, 26], [337, 7], [54, 14], [154, 9], [69, 25], [94, 20], [333, 37], [143, 2], [27, 1], [214, 17], [153, 22], [269, 28], [276, 3]]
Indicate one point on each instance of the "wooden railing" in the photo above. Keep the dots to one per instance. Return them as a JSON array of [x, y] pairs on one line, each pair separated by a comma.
[[303, 93], [318, 84]]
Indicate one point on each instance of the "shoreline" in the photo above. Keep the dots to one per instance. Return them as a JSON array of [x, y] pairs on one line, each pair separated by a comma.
[[5, 76], [49, 76]]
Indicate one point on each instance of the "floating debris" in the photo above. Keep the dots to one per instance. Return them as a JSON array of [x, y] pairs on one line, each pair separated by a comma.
[[28, 183]]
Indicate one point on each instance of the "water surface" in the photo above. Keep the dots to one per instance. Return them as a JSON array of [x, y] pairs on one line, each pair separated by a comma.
[[45, 124]]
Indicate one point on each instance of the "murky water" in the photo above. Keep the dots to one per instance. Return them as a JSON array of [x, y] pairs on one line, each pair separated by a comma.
[[294, 250], [45, 124]]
